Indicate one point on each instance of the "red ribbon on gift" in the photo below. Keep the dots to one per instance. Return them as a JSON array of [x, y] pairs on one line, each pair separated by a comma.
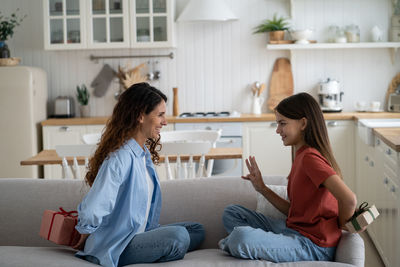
[[65, 214]]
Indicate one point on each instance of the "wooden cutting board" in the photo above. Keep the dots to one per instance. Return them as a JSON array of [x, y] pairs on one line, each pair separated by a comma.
[[281, 82]]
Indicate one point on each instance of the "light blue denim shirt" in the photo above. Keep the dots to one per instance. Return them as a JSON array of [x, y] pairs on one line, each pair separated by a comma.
[[115, 206]]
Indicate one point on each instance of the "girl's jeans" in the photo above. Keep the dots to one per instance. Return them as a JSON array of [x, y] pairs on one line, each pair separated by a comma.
[[255, 236], [165, 243]]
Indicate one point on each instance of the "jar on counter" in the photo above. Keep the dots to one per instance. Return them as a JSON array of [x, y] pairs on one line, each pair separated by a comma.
[[340, 36], [352, 33]]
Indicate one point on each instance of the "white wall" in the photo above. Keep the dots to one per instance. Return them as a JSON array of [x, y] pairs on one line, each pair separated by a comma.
[[215, 63]]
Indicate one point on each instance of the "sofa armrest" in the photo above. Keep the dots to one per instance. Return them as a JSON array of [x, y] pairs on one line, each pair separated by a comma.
[[350, 249]]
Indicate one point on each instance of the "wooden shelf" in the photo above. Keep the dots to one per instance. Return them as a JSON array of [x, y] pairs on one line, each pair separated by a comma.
[[394, 45]]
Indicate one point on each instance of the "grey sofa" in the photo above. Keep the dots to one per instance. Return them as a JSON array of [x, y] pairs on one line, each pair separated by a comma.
[[24, 200]]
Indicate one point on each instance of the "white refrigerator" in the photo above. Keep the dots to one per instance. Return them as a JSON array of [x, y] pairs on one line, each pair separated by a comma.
[[23, 101]]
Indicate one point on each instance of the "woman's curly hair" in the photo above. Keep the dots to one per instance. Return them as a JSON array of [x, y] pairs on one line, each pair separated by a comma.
[[140, 98]]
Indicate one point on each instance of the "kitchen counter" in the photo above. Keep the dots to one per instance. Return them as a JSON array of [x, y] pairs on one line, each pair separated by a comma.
[[242, 118], [391, 136]]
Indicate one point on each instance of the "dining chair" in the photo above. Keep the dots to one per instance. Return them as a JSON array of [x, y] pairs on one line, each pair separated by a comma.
[[63, 151], [91, 138], [188, 143]]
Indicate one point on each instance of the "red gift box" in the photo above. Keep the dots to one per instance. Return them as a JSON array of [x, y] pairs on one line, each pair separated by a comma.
[[59, 227]]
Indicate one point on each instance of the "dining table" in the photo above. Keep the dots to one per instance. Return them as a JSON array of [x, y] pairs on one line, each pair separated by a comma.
[[50, 156]]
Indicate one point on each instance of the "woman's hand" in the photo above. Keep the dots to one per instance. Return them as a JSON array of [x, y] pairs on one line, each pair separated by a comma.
[[255, 175], [81, 243]]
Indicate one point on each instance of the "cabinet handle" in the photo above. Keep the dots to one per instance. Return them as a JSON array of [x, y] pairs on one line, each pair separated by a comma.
[[378, 142], [371, 164], [389, 151], [332, 123], [208, 128], [64, 129], [366, 158], [393, 189], [385, 180], [273, 124]]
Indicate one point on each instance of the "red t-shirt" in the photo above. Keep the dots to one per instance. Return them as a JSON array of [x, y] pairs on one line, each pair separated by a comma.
[[313, 209]]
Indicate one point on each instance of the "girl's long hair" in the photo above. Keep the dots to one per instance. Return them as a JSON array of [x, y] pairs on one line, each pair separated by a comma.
[[140, 98], [303, 105]]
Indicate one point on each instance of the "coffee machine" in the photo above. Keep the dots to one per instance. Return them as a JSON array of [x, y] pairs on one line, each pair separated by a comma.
[[330, 96]]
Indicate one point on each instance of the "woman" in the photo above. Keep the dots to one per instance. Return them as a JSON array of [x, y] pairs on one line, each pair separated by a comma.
[[319, 203], [118, 218]]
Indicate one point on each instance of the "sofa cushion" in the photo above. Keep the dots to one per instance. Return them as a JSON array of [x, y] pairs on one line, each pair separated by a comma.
[[63, 257], [266, 208]]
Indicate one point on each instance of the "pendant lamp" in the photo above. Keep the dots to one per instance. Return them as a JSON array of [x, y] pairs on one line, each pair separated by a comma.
[[206, 10]]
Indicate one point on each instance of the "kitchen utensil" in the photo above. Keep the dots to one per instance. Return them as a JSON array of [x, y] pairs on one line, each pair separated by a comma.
[[132, 76], [257, 104], [262, 87], [281, 83], [330, 96], [64, 107], [175, 108], [301, 36]]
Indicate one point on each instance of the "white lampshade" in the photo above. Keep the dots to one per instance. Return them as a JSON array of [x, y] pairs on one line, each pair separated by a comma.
[[206, 10]]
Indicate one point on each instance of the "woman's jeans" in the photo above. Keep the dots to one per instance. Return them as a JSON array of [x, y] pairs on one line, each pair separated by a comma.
[[165, 243], [255, 236]]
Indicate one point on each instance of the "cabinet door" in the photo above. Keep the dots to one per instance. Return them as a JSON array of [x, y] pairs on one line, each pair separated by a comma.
[[108, 23], [152, 23], [262, 141], [60, 135], [341, 136], [64, 24]]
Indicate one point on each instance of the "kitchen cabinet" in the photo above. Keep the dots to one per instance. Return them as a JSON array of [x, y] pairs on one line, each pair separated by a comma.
[[341, 136], [108, 23], [385, 229], [64, 24], [152, 23], [377, 169], [100, 24], [261, 140]]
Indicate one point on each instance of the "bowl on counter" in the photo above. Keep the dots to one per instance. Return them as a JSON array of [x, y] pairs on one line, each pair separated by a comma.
[[301, 36]]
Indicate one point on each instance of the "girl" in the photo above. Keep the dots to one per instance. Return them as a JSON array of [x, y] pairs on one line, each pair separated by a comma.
[[320, 202], [118, 218]]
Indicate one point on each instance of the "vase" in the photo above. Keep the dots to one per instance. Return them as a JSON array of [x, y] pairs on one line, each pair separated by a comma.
[[4, 51], [85, 111]]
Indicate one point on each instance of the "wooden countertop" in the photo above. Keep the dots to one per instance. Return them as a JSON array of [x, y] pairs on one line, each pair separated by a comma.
[[48, 157], [391, 136], [242, 118]]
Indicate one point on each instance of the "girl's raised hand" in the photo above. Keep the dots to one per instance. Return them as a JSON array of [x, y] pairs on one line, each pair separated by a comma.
[[255, 175]]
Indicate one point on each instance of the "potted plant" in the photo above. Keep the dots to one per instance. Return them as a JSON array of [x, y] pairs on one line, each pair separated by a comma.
[[83, 95], [7, 25], [275, 26]]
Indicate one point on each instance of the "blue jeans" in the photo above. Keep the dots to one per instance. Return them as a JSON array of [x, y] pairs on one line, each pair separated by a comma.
[[255, 236], [165, 243]]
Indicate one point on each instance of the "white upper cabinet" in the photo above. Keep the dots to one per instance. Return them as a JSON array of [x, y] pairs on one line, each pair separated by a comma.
[[108, 23], [92, 24], [64, 24], [152, 23]]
